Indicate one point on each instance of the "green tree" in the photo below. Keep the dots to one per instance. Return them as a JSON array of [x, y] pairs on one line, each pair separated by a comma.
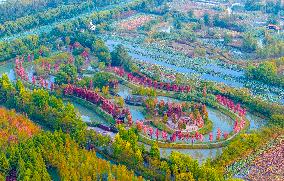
[[154, 151], [40, 98], [278, 119], [265, 71], [227, 39], [102, 51], [252, 5], [2, 176], [119, 56], [185, 177], [79, 62], [66, 74], [188, 35], [4, 164], [200, 52], [207, 20], [101, 79], [249, 42]]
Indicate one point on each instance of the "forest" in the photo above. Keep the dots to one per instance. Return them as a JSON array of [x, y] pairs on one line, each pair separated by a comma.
[[141, 90]]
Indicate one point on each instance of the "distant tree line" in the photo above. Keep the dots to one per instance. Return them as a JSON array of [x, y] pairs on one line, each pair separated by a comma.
[[267, 72], [269, 6], [33, 43], [46, 17], [24, 8]]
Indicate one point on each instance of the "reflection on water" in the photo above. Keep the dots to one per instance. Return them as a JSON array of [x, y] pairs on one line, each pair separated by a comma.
[[222, 80], [198, 154], [53, 172], [87, 114], [123, 91], [220, 120], [255, 121], [104, 158], [7, 68], [136, 113]]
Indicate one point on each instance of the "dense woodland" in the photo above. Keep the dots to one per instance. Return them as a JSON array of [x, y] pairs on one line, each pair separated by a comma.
[[34, 43], [51, 114], [31, 7], [32, 158], [267, 72]]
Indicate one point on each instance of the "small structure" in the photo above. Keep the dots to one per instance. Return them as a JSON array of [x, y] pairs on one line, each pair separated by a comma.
[[165, 29], [273, 27], [190, 128], [186, 120], [92, 26], [108, 128], [134, 100], [189, 124]]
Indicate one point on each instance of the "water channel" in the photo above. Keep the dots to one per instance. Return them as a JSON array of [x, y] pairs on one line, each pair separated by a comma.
[[219, 120], [206, 69]]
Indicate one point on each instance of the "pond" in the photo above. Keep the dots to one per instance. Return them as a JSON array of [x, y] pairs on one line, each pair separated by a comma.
[[256, 122], [7, 68], [220, 120], [104, 158], [87, 115], [53, 172], [199, 154], [136, 112], [173, 60]]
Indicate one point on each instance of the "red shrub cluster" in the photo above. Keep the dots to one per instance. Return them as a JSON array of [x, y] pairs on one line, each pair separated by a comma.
[[231, 105], [97, 99], [145, 81]]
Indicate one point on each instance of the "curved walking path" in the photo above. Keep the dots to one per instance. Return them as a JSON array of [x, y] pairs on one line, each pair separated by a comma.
[[162, 144]]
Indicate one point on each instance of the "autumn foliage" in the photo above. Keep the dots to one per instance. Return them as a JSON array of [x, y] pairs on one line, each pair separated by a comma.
[[15, 128]]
